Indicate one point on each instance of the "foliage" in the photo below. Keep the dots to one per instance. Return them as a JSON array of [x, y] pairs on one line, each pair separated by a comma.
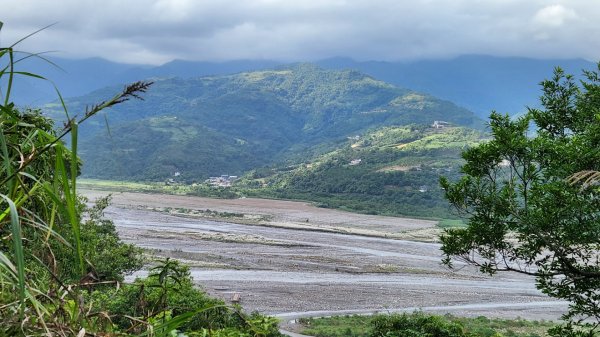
[[524, 215], [168, 292], [421, 325], [337, 326], [168, 287], [397, 174], [110, 259], [416, 325], [43, 260]]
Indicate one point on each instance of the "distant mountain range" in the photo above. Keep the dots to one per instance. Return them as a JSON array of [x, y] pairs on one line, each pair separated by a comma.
[[479, 83], [205, 126], [79, 77], [342, 133]]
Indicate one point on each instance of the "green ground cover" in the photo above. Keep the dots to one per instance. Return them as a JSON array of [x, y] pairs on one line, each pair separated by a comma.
[[422, 325]]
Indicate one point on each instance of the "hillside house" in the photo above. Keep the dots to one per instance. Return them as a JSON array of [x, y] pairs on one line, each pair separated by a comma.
[[440, 124]]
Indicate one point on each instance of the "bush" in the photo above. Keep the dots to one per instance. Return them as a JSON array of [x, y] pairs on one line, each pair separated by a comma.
[[169, 292], [415, 325]]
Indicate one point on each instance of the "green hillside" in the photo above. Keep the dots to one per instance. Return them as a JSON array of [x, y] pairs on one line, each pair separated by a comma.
[[231, 124], [391, 170]]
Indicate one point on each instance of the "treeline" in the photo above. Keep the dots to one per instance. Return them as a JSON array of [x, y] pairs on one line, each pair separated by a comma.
[[360, 189]]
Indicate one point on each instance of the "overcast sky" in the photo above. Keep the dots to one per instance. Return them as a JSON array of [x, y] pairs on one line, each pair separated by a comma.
[[158, 31]]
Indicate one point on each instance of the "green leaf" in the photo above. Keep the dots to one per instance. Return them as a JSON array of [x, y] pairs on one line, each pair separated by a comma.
[[18, 249]]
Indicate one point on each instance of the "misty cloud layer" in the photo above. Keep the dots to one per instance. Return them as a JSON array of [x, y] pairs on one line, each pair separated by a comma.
[[154, 32]]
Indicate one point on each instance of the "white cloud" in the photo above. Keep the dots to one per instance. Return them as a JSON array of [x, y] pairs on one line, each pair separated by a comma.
[[554, 16]]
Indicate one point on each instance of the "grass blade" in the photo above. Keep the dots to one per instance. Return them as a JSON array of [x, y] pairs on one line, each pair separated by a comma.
[[8, 265], [7, 166], [62, 102], [70, 200], [74, 159], [10, 76], [18, 249], [31, 34], [28, 74], [165, 328]]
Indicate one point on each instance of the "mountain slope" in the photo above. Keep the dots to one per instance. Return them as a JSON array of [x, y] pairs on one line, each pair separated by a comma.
[[79, 77], [390, 170], [229, 124], [478, 82]]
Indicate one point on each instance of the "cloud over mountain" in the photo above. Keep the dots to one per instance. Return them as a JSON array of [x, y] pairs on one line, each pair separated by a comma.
[[158, 31]]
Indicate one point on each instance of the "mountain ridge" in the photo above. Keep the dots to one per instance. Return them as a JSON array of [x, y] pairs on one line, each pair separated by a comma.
[[480, 83], [262, 117]]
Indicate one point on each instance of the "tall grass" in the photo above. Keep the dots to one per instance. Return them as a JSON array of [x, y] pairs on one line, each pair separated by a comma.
[[38, 195]]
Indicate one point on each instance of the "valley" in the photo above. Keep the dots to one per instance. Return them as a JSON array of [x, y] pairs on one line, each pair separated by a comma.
[[391, 170], [208, 126], [292, 260], [294, 132], [302, 169]]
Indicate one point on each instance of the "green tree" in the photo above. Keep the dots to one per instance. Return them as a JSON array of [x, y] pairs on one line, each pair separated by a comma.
[[109, 258], [524, 213]]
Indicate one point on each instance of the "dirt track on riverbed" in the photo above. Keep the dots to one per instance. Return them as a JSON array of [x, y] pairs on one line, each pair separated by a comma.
[[293, 259]]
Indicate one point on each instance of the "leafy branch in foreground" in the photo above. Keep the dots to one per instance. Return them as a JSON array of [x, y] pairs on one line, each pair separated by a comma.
[[526, 211]]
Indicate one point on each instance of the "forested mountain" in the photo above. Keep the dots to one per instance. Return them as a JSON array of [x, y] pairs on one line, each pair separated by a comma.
[[478, 82], [390, 170], [199, 127]]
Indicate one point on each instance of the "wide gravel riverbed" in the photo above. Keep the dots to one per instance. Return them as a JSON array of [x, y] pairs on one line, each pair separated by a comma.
[[295, 260]]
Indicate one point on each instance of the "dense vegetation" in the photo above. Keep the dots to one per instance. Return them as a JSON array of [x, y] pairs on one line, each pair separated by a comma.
[[61, 262], [420, 325], [391, 170], [210, 126], [524, 214]]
